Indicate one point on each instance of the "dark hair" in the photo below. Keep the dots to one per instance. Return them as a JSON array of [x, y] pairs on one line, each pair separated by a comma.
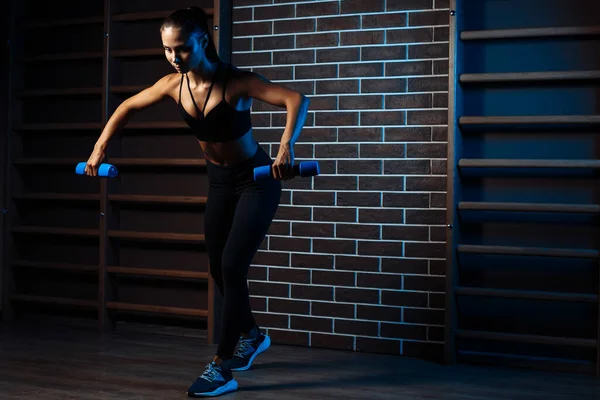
[[190, 20]]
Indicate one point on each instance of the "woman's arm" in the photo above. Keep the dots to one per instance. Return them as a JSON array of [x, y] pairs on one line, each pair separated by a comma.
[[296, 105], [122, 115]]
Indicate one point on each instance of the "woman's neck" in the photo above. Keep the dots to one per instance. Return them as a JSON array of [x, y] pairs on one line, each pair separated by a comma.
[[204, 73]]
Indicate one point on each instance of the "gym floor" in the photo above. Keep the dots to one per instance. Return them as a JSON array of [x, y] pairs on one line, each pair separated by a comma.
[[67, 361]]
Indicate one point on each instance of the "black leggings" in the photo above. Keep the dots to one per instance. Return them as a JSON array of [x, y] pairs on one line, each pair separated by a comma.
[[238, 215]]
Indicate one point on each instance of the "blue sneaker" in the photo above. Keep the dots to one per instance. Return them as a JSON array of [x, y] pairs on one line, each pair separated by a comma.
[[215, 381], [247, 351]]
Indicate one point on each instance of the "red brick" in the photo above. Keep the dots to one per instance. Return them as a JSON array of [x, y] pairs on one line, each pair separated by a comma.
[[338, 23], [361, 231], [293, 213], [427, 117], [338, 55], [437, 233], [271, 258], [382, 118], [362, 38], [349, 295], [442, 3], [406, 5], [334, 246], [294, 57], [404, 68], [435, 333], [336, 118], [403, 331], [337, 86], [368, 102], [407, 200], [333, 310], [360, 134], [393, 85], [424, 183], [428, 18], [310, 72], [312, 135], [274, 43], [358, 199], [314, 198], [335, 183], [424, 283], [408, 101], [294, 26], [243, 44], [404, 298], [440, 100], [428, 84], [440, 67], [258, 303], [426, 250], [269, 289], [373, 345], [406, 167], [438, 200], [354, 263], [380, 215], [289, 306], [290, 275], [426, 150], [359, 167], [252, 29], [257, 273], [274, 12], [361, 70], [312, 292], [441, 34], [424, 316], [437, 267], [336, 151], [439, 133], [312, 261], [317, 9], [379, 281], [388, 20], [250, 59], [289, 244], [279, 228], [391, 183], [435, 50], [242, 14], [439, 167], [404, 266], [417, 35], [331, 341], [241, 3], [311, 229], [362, 328], [387, 52], [380, 248], [362, 6], [379, 313], [311, 324], [333, 278], [272, 320], [437, 300], [289, 337], [335, 214], [405, 232], [275, 73], [426, 217], [318, 40], [407, 134]]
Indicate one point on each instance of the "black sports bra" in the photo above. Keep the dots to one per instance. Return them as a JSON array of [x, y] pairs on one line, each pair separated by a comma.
[[223, 123]]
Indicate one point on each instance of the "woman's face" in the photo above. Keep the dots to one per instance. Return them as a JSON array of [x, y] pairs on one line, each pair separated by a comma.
[[184, 52]]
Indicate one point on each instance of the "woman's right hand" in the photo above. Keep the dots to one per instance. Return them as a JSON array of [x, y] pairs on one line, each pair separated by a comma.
[[91, 167]]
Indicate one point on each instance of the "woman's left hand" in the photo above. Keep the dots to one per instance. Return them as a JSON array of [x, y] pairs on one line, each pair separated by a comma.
[[283, 166]]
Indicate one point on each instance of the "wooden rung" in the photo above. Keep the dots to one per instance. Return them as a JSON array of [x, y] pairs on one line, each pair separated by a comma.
[[57, 266], [76, 126], [47, 161], [54, 300], [529, 207], [529, 76], [158, 162], [166, 273], [64, 57], [527, 294], [150, 15], [138, 53], [510, 163], [531, 120], [59, 92], [149, 199], [64, 22], [537, 339], [158, 236], [58, 196], [50, 230], [528, 251], [191, 312], [128, 89], [548, 32]]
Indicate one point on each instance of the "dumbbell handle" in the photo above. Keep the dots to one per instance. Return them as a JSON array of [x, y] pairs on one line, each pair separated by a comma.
[[104, 170], [304, 168]]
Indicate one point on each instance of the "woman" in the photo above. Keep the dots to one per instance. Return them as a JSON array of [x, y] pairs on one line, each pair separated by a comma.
[[239, 211]]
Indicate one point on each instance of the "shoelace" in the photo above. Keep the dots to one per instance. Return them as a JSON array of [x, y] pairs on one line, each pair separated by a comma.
[[244, 348], [210, 373]]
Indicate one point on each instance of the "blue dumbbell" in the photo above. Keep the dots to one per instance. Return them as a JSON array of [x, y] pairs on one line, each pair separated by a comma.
[[105, 170], [304, 168]]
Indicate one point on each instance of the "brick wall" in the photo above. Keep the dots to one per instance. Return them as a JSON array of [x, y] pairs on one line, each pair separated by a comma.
[[355, 258]]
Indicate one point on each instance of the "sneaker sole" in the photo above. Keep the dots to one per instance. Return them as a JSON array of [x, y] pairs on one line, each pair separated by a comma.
[[230, 386], [261, 349]]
